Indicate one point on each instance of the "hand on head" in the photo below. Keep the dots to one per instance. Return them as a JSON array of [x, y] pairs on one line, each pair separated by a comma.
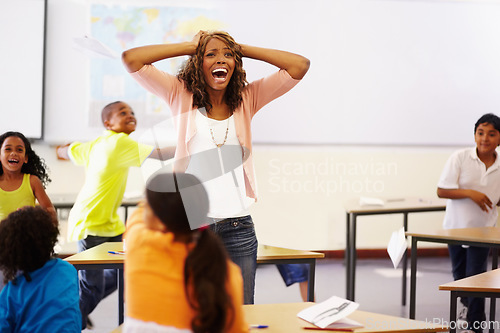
[[197, 37]]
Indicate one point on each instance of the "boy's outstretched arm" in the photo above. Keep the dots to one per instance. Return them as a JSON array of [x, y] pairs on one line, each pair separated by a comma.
[[479, 198], [163, 154]]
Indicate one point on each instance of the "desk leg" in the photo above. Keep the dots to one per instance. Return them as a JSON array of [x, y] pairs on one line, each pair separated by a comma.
[[413, 277], [493, 301], [453, 311], [310, 281], [347, 256], [120, 296], [351, 262], [405, 262]]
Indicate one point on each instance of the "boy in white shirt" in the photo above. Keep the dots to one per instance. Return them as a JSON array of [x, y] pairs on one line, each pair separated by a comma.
[[471, 179]]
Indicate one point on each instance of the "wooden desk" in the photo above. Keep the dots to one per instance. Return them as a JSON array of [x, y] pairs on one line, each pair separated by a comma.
[[282, 318], [484, 236], [66, 201], [403, 206], [99, 258], [481, 285]]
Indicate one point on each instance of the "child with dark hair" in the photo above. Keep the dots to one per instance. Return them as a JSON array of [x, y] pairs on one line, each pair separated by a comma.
[[94, 218], [41, 294], [471, 180], [23, 175], [178, 276]]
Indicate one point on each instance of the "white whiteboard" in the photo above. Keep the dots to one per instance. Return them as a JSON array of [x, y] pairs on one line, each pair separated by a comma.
[[22, 29], [396, 72], [386, 72]]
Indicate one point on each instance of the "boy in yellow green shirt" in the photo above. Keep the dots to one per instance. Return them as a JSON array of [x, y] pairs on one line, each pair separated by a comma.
[[94, 217]]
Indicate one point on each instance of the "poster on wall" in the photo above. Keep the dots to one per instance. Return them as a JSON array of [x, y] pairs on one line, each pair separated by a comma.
[[120, 27]]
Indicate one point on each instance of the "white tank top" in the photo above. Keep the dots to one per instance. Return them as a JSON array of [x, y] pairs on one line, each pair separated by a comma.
[[219, 169]]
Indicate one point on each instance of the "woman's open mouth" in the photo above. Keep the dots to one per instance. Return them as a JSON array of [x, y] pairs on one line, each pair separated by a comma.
[[219, 75]]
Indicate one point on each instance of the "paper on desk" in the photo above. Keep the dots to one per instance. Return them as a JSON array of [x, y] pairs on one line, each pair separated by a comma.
[[344, 323], [366, 201], [331, 313], [397, 246]]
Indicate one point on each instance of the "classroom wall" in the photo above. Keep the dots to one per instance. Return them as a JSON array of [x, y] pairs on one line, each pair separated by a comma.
[[302, 190], [376, 65]]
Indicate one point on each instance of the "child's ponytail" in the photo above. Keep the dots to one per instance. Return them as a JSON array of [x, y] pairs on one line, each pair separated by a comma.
[[205, 276]]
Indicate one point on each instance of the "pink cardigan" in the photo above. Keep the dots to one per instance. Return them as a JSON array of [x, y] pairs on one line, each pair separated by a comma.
[[255, 95]]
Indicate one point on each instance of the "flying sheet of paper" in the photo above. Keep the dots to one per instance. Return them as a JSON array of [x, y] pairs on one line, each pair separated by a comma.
[[397, 246], [93, 47]]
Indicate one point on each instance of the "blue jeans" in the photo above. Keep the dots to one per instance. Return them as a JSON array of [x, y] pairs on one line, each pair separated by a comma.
[[95, 284], [238, 236], [466, 262], [293, 273]]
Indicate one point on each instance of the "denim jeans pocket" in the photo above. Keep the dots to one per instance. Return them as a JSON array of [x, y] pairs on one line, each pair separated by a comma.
[[243, 222], [238, 236]]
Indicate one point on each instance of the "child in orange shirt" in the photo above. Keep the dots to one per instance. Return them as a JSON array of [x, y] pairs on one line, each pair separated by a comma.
[[178, 276]]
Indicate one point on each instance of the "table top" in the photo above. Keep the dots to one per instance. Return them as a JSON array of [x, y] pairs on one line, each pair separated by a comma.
[[397, 205], [486, 235], [100, 255], [484, 282], [268, 252], [283, 318]]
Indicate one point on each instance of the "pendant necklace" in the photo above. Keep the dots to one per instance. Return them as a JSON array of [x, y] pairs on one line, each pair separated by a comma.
[[225, 138]]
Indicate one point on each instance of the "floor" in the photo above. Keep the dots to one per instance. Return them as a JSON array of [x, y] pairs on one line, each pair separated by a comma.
[[378, 289]]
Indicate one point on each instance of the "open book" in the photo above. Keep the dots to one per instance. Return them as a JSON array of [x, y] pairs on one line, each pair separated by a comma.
[[331, 314]]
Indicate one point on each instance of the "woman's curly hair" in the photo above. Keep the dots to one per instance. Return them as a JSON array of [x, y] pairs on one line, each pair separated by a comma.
[[192, 73], [35, 165], [27, 239]]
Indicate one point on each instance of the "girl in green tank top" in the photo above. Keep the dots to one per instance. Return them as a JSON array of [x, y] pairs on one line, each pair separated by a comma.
[[23, 175]]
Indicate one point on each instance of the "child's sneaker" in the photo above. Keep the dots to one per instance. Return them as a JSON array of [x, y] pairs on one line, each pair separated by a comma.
[[462, 319]]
